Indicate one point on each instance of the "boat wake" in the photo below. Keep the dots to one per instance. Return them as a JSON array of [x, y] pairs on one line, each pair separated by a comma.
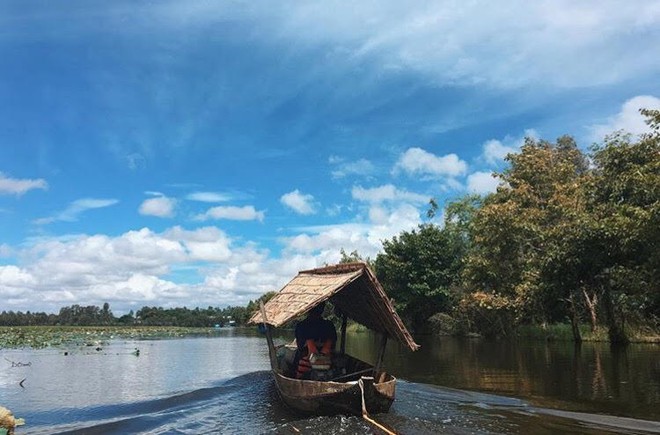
[[249, 404]]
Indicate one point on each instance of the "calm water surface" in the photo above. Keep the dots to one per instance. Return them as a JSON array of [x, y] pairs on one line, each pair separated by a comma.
[[221, 384]]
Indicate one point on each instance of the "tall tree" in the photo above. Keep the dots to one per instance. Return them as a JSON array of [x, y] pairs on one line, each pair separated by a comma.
[[625, 199], [515, 231]]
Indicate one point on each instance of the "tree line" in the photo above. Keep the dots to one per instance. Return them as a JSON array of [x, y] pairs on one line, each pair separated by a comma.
[[92, 315], [568, 237]]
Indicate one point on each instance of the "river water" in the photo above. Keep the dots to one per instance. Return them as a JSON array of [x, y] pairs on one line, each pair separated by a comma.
[[221, 384]]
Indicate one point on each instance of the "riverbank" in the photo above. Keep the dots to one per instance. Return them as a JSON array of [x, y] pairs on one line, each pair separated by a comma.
[[556, 332], [563, 332], [46, 336], [12, 337]]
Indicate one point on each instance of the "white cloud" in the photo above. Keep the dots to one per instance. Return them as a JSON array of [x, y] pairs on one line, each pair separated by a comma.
[[161, 206], [76, 208], [404, 217], [482, 182], [137, 288], [299, 202], [416, 161], [495, 151], [378, 214], [387, 192], [245, 213], [325, 242], [206, 244], [14, 186], [208, 197], [12, 276], [224, 281], [178, 267], [385, 212], [628, 119], [137, 267], [87, 269]]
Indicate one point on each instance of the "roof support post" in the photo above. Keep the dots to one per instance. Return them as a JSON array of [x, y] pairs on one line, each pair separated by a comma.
[[342, 348], [269, 338], [381, 354]]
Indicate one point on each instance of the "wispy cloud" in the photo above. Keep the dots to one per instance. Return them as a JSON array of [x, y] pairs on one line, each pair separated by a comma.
[[465, 42], [451, 42], [5, 250], [299, 202], [76, 208], [245, 213], [16, 186], [209, 197], [360, 167], [136, 161]]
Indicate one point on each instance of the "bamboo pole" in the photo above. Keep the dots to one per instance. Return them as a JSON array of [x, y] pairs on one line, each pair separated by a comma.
[[343, 334], [269, 338], [381, 354]]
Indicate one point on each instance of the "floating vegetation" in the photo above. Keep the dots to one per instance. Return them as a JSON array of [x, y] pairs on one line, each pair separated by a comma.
[[47, 336]]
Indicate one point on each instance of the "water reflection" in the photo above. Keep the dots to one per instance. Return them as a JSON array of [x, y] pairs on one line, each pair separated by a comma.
[[591, 377], [221, 385]]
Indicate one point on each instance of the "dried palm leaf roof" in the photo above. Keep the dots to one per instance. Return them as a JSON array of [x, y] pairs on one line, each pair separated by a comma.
[[351, 287]]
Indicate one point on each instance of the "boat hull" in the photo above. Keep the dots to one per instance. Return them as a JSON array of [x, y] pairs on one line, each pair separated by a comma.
[[328, 398]]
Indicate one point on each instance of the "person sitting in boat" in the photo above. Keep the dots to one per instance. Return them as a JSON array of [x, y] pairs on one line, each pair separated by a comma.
[[315, 338]]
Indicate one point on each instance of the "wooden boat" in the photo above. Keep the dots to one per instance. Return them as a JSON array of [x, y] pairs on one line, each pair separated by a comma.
[[354, 386]]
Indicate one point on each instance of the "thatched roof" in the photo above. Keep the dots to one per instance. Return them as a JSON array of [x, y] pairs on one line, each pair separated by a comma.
[[352, 288]]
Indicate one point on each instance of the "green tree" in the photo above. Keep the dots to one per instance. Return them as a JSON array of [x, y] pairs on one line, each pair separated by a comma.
[[514, 232], [625, 200], [459, 216], [418, 269]]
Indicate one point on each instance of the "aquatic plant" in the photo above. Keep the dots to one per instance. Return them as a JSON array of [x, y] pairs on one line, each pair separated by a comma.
[[54, 336]]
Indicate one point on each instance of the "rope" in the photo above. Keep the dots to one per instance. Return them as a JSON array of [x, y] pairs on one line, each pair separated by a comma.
[[365, 414]]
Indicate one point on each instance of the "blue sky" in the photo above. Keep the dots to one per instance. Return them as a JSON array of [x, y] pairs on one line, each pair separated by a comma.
[[201, 153]]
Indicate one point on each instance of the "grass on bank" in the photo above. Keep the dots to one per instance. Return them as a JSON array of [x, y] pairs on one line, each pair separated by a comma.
[[564, 332]]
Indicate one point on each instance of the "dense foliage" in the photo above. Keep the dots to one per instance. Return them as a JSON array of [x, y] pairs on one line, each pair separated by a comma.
[[418, 290], [567, 237]]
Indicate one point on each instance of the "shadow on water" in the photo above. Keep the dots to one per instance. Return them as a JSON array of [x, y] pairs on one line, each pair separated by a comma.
[[592, 378], [249, 404]]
